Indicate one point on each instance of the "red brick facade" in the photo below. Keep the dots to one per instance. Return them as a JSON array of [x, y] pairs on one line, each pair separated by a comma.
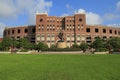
[[74, 29], [20, 32]]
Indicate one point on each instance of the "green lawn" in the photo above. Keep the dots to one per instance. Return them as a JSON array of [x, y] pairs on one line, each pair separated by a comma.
[[59, 67]]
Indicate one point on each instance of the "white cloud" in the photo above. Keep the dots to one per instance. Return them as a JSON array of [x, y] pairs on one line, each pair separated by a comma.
[[7, 8], [64, 14], [118, 5], [14, 8], [2, 27], [91, 18], [110, 16], [81, 11]]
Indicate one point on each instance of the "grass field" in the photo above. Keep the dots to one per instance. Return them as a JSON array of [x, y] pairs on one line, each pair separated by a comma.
[[59, 67]]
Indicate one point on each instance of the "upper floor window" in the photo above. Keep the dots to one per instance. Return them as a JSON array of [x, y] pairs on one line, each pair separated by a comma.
[[104, 30], [41, 20], [26, 30], [12, 31], [80, 19], [18, 30], [87, 29], [33, 30], [110, 31], [115, 32], [96, 30]]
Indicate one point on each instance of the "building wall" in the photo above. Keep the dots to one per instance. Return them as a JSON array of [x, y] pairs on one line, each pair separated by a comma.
[[74, 29], [20, 32]]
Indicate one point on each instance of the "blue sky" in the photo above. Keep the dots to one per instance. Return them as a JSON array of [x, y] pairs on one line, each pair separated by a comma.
[[22, 12]]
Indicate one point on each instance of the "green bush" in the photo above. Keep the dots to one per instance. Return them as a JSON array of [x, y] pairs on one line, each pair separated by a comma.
[[64, 49]]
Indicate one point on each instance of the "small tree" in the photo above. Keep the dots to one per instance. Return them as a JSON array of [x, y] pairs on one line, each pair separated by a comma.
[[24, 43], [98, 44], [6, 43], [41, 46], [83, 47], [114, 43]]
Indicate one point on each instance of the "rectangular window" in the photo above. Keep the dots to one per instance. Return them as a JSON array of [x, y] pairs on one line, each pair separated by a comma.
[[18, 37], [18, 30], [104, 30], [33, 30], [12, 31], [115, 32], [110, 31], [88, 30], [96, 30], [26, 30]]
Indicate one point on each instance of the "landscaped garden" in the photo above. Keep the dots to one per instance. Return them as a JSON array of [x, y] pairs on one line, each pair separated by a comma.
[[59, 67]]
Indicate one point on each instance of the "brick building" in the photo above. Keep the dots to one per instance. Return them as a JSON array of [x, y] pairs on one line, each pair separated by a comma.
[[74, 29], [20, 32]]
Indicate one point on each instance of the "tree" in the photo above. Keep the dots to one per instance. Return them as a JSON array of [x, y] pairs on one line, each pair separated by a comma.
[[98, 44], [6, 43], [83, 46], [41, 46], [24, 43], [114, 43]]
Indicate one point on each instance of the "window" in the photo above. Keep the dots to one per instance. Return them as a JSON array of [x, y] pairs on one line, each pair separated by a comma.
[[18, 37], [42, 35], [88, 30], [78, 35], [12, 31], [18, 30], [53, 35], [104, 30], [110, 31], [88, 38], [104, 37], [115, 32], [41, 20], [26, 30], [80, 19], [96, 30], [33, 30]]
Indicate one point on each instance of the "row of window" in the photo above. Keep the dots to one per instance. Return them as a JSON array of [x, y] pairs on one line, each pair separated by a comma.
[[61, 25], [61, 20], [18, 31], [104, 31]]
